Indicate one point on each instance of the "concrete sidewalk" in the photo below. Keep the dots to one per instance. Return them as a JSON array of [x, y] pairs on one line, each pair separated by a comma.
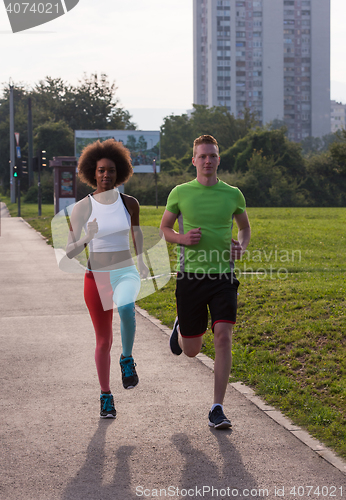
[[53, 444]]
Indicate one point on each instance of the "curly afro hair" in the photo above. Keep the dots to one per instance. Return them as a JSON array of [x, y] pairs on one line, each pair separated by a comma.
[[110, 149]]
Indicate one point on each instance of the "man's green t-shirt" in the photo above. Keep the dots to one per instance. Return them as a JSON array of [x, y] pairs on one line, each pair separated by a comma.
[[211, 208]]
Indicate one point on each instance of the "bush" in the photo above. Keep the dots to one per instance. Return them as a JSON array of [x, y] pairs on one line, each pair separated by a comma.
[[47, 189], [142, 187], [83, 189]]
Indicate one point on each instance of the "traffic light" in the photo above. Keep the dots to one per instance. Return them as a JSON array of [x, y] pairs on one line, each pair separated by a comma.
[[24, 167], [39, 160], [17, 169], [43, 158]]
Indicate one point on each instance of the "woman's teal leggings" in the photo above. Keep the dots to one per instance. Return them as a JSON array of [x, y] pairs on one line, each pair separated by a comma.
[[101, 289]]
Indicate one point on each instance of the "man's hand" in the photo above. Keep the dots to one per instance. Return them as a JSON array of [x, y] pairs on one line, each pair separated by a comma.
[[237, 250], [192, 237]]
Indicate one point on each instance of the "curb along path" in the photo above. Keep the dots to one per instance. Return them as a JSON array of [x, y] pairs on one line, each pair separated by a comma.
[[272, 412]]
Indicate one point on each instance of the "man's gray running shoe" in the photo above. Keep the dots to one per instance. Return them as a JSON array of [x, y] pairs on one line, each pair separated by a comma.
[[218, 420], [107, 406], [173, 341]]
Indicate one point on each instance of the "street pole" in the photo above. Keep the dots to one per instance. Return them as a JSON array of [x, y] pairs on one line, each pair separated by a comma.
[[155, 176], [12, 154], [39, 195], [18, 194], [30, 145]]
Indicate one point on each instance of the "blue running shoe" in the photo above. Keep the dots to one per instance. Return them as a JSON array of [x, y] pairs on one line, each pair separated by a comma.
[[128, 372], [218, 419], [107, 406], [173, 341]]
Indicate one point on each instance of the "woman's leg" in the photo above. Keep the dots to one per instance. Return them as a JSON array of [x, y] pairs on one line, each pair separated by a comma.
[[102, 321], [126, 288]]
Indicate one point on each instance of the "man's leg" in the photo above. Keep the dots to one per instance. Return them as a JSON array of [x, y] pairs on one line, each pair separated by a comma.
[[223, 359], [190, 346]]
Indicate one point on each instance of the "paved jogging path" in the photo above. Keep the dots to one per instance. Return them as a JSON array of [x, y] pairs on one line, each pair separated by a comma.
[[53, 444]]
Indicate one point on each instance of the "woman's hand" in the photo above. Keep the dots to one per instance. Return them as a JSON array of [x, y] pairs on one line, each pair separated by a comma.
[[143, 269], [92, 229]]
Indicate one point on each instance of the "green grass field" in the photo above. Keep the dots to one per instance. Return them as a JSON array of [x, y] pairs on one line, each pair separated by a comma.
[[290, 337]]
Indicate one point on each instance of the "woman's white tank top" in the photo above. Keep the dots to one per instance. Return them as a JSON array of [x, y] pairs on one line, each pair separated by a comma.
[[114, 223]]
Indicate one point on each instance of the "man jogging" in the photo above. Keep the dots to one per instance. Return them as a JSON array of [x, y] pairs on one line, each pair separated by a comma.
[[206, 208]]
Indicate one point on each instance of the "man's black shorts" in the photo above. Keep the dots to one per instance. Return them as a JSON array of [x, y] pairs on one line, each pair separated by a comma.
[[195, 293]]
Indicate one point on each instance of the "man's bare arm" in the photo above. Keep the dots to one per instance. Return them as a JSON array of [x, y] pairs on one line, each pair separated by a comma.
[[192, 237], [244, 235]]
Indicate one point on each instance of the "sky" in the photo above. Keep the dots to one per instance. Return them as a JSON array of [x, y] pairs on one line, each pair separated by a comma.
[[145, 46]]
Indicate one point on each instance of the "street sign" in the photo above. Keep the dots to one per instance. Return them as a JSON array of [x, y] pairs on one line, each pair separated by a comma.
[[18, 153]]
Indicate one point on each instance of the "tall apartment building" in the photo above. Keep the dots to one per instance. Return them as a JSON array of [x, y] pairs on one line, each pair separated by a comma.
[[272, 56], [337, 116]]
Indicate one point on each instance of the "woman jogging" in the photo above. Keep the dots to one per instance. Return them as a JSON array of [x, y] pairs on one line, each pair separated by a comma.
[[107, 218]]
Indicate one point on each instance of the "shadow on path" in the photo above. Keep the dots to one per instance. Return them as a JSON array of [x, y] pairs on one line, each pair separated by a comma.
[[216, 477], [89, 482]]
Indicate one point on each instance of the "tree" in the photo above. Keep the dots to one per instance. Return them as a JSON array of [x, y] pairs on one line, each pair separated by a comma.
[[89, 105], [221, 124], [270, 144], [312, 145], [176, 136], [326, 175], [265, 184], [179, 132], [56, 138], [92, 104], [20, 95]]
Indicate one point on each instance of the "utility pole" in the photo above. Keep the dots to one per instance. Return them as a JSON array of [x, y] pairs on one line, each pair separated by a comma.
[[155, 176], [18, 169], [30, 145], [12, 154], [40, 165], [39, 193]]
